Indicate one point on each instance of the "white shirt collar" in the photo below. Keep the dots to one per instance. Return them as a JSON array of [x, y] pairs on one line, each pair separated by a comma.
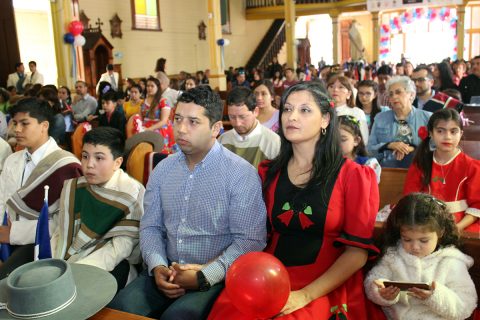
[[254, 132], [38, 155]]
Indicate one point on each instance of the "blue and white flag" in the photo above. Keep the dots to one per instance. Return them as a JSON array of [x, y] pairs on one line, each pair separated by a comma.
[[5, 249], [42, 237]]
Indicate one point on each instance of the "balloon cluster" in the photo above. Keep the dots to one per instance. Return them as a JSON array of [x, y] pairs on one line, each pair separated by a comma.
[[223, 42], [74, 36], [384, 41], [258, 285], [397, 23]]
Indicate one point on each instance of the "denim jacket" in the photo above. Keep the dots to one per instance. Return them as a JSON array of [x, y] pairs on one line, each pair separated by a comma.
[[384, 131]]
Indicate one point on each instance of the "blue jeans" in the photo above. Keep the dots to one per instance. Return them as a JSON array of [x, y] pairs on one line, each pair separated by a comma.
[[143, 298]]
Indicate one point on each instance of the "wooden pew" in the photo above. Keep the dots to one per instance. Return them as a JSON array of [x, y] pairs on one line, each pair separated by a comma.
[[391, 185], [471, 148], [110, 314], [472, 132]]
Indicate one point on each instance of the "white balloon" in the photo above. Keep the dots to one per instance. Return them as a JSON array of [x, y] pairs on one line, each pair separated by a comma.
[[79, 41], [226, 42]]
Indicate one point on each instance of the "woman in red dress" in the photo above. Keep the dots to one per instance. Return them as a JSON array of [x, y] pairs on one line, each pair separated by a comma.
[[321, 209], [156, 115], [446, 172]]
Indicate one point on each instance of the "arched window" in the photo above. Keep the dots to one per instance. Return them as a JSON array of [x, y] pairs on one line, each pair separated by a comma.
[[145, 15]]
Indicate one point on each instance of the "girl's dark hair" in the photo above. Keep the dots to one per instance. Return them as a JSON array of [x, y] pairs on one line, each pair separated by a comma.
[[156, 99], [279, 75], [346, 83], [446, 76], [69, 94], [266, 83], [269, 84], [328, 158], [5, 94], [137, 86], [352, 125], [375, 108], [421, 210], [51, 96], [160, 66], [424, 156]]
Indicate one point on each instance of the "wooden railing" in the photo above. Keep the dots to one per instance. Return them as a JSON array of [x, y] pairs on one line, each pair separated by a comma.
[[269, 3], [269, 47]]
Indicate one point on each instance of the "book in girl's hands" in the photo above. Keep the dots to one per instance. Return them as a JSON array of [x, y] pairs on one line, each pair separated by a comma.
[[404, 286]]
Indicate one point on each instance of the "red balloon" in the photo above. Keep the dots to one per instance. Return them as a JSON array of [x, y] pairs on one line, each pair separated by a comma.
[[75, 27], [258, 284]]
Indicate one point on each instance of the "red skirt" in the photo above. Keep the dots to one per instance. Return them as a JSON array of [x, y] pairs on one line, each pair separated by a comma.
[[346, 302]]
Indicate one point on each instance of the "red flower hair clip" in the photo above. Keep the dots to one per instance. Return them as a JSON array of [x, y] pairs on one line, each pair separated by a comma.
[[422, 132], [332, 104]]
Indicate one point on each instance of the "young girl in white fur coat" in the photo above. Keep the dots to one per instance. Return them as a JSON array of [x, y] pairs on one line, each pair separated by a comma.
[[420, 239]]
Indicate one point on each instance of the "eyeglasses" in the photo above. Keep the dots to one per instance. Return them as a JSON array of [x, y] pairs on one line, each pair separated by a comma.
[[364, 94], [422, 79]]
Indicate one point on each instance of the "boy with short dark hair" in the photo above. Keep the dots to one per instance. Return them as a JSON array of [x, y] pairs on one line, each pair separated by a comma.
[[112, 116], [100, 212]]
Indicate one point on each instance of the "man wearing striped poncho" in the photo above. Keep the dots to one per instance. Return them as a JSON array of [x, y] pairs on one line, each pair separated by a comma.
[[24, 175]]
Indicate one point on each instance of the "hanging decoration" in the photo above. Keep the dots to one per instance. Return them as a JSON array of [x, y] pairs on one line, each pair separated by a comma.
[[75, 38], [397, 23], [222, 43]]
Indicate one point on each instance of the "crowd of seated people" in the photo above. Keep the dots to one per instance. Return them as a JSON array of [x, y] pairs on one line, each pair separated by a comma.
[[297, 177]]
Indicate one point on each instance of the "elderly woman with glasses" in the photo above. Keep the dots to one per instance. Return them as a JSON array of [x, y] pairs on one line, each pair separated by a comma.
[[394, 136]]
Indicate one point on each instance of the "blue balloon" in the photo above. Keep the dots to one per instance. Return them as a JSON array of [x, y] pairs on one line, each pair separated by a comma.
[[414, 14], [220, 42], [69, 38]]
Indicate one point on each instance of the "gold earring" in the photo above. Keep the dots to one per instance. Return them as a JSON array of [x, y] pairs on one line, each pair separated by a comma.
[[324, 131]]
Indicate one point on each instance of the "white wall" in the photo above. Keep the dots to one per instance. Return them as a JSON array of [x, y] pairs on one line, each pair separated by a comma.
[[35, 36], [178, 41], [320, 36]]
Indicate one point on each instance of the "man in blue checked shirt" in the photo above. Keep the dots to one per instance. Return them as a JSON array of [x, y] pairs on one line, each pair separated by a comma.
[[203, 209]]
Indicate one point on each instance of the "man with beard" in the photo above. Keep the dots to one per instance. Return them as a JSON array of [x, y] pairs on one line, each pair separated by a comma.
[[248, 138], [384, 73], [427, 99], [470, 85], [203, 209]]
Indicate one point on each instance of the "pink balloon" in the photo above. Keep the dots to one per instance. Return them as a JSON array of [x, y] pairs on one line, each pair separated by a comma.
[[75, 27], [258, 285]]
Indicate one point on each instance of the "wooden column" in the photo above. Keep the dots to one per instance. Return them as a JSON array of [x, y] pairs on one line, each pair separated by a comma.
[[335, 39], [460, 31], [376, 36], [62, 14], [217, 75], [289, 8]]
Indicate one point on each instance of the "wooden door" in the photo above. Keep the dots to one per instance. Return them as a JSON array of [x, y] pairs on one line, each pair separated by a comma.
[[345, 40], [9, 51]]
